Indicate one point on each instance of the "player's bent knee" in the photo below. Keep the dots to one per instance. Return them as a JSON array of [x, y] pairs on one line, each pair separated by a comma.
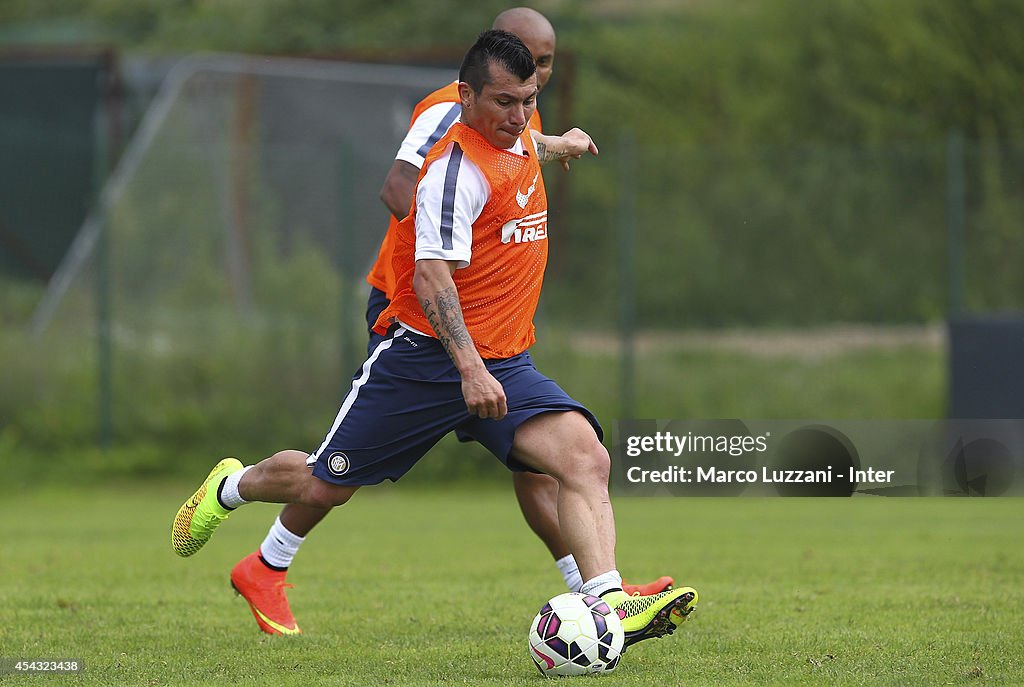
[[589, 468], [598, 464], [321, 494]]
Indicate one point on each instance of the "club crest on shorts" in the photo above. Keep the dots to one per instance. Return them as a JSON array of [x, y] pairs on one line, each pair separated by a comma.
[[338, 464]]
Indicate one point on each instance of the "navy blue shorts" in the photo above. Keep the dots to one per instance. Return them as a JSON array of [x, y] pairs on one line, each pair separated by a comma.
[[375, 305], [408, 395]]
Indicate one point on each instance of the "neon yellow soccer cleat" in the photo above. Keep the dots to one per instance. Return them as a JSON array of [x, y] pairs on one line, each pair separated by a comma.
[[656, 615], [199, 516]]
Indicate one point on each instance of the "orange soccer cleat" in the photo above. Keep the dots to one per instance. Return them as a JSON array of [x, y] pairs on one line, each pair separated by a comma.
[[662, 584], [264, 589]]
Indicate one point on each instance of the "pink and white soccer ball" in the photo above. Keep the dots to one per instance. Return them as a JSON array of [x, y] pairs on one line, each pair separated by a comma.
[[576, 634]]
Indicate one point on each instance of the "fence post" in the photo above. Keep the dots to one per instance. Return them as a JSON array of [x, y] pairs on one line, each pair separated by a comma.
[[104, 343], [347, 218], [956, 219], [627, 273]]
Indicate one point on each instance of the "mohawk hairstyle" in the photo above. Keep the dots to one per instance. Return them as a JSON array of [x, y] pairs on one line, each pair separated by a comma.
[[503, 48]]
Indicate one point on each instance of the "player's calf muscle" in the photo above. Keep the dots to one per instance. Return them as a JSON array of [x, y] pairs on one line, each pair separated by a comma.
[[285, 478]]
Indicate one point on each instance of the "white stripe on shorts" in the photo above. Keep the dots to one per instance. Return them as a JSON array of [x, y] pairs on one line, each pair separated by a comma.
[[350, 399]]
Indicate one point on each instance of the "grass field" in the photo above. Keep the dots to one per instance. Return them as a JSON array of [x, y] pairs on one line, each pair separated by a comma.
[[413, 586]]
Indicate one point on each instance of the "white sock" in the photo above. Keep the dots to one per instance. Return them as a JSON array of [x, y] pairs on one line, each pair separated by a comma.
[[228, 493], [570, 573], [605, 582], [280, 546]]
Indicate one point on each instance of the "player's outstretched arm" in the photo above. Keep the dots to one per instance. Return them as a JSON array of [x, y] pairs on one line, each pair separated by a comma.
[[570, 145], [435, 288]]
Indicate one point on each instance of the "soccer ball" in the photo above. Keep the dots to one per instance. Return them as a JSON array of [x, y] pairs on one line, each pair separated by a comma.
[[576, 634]]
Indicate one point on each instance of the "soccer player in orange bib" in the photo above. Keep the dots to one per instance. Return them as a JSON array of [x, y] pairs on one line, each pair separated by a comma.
[[451, 351], [260, 576]]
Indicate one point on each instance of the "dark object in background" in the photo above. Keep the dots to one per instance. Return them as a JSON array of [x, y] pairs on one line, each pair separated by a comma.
[[51, 107], [986, 366]]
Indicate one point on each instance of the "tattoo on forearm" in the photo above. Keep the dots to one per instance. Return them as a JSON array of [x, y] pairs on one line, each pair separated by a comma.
[[543, 154], [445, 316], [451, 317]]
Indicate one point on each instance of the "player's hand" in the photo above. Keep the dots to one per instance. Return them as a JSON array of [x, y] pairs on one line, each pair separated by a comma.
[[577, 141], [484, 395]]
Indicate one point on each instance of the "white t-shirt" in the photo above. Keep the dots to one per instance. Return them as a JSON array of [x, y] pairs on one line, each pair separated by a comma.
[[429, 127]]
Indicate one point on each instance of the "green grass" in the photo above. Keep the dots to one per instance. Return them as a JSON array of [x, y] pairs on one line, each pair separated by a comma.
[[417, 586]]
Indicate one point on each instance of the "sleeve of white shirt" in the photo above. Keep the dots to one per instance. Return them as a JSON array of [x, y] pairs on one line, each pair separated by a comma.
[[449, 198], [426, 130]]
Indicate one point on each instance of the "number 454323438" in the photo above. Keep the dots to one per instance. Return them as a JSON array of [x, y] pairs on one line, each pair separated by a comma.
[[37, 665]]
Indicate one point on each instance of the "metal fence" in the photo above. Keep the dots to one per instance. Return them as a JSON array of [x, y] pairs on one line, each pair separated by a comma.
[[239, 223]]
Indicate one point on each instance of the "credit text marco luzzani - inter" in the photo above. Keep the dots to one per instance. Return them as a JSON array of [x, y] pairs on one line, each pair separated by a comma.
[[663, 444]]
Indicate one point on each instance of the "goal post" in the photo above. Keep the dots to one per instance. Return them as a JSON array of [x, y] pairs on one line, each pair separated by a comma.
[[240, 220]]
